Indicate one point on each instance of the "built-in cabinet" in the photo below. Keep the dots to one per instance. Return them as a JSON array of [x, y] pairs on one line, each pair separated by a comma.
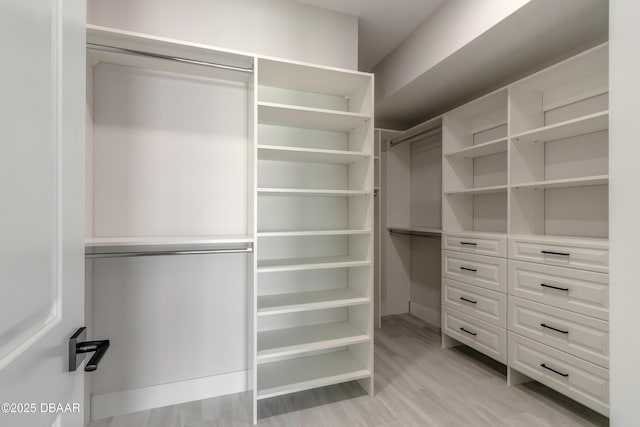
[[524, 255], [230, 203]]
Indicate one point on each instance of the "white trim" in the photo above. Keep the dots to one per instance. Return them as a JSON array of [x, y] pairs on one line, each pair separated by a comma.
[[124, 402], [429, 315]]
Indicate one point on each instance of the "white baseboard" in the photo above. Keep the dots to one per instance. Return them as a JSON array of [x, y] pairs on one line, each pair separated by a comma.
[[124, 402], [429, 315]]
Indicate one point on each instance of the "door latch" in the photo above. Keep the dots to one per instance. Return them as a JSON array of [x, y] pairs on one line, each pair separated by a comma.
[[78, 346]]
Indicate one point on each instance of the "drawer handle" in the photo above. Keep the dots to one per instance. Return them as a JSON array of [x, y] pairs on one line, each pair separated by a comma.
[[469, 332], [553, 370], [555, 253], [469, 243], [468, 300], [553, 329], [468, 269], [544, 285]]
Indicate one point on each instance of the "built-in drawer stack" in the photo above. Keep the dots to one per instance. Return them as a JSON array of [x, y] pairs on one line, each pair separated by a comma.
[[474, 285], [558, 311]]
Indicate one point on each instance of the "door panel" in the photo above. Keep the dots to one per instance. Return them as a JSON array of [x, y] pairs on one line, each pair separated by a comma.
[[42, 212]]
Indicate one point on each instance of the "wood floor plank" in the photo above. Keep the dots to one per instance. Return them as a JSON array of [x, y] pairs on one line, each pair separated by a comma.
[[417, 383]]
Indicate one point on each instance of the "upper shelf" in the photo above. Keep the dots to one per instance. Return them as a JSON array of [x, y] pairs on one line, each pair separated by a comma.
[[566, 183], [310, 118], [306, 78], [479, 190], [295, 154], [485, 149], [312, 192], [580, 126], [168, 241]]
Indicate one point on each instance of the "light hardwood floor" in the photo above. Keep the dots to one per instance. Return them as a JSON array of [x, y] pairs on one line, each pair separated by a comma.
[[417, 384]]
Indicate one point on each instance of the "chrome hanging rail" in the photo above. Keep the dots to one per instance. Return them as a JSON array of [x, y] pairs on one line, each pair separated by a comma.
[[164, 253], [104, 48], [414, 233]]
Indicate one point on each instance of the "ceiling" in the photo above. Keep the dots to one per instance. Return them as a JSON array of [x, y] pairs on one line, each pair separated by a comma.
[[382, 24]]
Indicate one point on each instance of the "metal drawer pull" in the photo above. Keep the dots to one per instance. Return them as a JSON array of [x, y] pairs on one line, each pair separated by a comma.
[[544, 285], [468, 300], [553, 370], [469, 243], [556, 253], [469, 332], [468, 269], [553, 329]]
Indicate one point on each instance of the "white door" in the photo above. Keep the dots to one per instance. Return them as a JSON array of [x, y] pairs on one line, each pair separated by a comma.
[[42, 75]]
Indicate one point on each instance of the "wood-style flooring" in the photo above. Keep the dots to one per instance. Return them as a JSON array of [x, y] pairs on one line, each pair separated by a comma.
[[417, 383]]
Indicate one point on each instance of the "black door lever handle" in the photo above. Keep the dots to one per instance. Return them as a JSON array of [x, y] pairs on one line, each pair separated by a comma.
[[77, 347]]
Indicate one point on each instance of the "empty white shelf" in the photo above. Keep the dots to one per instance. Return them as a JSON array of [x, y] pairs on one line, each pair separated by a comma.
[[479, 190], [312, 192], [301, 339], [305, 301], [580, 126], [485, 149], [315, 263], [566, 183], [289, 376], [168, 241], [296, 233], [305, 117], [311, 155]]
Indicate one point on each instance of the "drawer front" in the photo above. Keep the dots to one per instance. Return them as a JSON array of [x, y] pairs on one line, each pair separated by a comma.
[[481, 244], [483, 271], [573, 333], [484, 304], [586, 255], [574, 377], [482, 336], [584, 292]]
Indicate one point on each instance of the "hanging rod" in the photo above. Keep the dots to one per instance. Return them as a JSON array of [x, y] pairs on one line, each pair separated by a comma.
[[161, 253], [425, 133], [167, 57], [414, 234]]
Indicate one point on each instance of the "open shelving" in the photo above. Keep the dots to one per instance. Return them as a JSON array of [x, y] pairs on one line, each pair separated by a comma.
[[297, 154], [309, 263], [269, 305], [480, 150], [306, 117]]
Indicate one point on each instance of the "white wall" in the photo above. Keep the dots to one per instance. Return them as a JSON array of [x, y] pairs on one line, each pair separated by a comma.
[[281, 28], [453, 25], [624, 154]]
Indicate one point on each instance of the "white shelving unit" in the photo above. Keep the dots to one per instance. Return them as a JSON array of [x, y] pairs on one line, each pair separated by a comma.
[[313, 315], [525, 227]]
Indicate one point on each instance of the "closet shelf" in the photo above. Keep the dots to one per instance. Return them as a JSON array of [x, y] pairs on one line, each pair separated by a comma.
[[310, 118], [311, 192], [555, 238], [296, 154], [309, 263], [290, 341], [289, 376], [306, 301], [295, 233], [485, 149], [580, 126], [168, 241], [479, 190], [418, 230], [566, 183]]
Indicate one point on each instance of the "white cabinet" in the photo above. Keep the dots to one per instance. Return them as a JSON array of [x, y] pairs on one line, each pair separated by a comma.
[[482, 303], [492, 244], [479, 270], [478, 334]]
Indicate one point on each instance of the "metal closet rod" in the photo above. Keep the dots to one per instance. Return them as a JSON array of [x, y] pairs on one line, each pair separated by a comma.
[[427, 132], [167, 57], [162, 253], [415, 234]]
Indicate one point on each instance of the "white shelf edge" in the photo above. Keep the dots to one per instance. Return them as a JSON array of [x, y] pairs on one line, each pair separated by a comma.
[[552, 238], [311, 264], [313, 192], [98, 242], [324, 111], [345, 301], [480, 190], [567, 123], [566, 183], [294, 233], [470, 151]]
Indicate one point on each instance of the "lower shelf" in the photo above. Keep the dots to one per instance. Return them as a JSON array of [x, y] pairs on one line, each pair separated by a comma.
[[301, 339], [290, 376]]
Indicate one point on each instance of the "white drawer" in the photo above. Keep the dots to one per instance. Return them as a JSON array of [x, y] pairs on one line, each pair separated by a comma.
[[484, 304], [573, 333], [584, 292], [586, 254], [580, 380], [476, 243], [487, 272], [482, 336]]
